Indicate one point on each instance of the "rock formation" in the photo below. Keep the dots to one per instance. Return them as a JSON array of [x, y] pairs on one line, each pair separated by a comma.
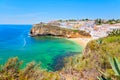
[[53, 30]]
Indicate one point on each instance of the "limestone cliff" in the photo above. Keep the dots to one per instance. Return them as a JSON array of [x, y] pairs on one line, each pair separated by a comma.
[[50, 30]]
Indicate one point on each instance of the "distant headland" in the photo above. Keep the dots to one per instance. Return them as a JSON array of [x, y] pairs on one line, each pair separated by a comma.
[[54, 29], [76, 28]]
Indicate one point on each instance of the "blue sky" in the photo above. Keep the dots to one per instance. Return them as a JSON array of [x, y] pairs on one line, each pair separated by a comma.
[[34, 11]]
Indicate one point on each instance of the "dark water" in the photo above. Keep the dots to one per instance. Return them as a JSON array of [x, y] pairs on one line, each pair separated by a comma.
[[15, 41]]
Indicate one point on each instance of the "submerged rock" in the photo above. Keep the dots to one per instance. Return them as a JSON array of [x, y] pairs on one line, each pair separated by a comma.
[[50, 30]]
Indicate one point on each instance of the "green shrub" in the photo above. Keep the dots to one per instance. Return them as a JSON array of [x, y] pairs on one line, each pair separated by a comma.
[[114, 32]]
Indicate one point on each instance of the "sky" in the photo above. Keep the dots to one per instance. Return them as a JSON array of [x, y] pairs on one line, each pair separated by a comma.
[[35, 11]]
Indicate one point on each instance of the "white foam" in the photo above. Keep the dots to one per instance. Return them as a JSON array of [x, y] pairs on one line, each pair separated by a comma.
[[24, 42]]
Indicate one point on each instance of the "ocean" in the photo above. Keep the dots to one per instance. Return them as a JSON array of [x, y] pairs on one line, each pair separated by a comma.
[[46, 51]]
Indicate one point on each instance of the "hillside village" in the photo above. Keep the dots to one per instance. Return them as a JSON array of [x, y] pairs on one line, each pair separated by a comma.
[[96, 28]]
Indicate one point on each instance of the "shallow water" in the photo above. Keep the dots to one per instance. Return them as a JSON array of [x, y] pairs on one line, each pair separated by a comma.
[[15, 41]]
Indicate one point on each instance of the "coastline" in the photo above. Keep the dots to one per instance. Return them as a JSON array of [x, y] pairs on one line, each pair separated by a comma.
[[81, 41]]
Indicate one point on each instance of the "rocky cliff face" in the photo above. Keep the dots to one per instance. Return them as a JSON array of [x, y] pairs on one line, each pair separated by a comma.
[[50, 30]]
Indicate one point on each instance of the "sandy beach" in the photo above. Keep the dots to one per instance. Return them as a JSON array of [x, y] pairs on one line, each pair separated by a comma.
[[81, 41]]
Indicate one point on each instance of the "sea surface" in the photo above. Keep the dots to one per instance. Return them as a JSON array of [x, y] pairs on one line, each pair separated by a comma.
[[47, 51]]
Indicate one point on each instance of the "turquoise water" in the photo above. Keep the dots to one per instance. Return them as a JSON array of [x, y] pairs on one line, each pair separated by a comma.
[[49, 51]]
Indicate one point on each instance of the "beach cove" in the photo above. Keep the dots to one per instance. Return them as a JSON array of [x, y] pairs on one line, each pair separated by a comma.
[[46, 51]]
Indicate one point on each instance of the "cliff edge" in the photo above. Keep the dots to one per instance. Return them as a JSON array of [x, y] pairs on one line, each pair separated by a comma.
[[52, 30]]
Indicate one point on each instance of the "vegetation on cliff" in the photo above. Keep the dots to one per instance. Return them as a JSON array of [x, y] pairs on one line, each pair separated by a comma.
[[115, 32], [12, 71], [95, 61], [110, 21], [98, 21]]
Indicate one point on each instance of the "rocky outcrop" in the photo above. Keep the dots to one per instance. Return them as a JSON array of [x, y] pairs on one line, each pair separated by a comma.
[[50, 30]]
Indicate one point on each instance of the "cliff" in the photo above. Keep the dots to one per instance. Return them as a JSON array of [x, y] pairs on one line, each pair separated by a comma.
[[50, 30], [96, 60]]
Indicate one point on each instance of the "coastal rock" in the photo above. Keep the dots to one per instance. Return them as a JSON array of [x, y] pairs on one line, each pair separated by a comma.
[[53, 30]]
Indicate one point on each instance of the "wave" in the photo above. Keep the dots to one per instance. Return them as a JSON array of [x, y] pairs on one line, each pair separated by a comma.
[[24, 42]]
